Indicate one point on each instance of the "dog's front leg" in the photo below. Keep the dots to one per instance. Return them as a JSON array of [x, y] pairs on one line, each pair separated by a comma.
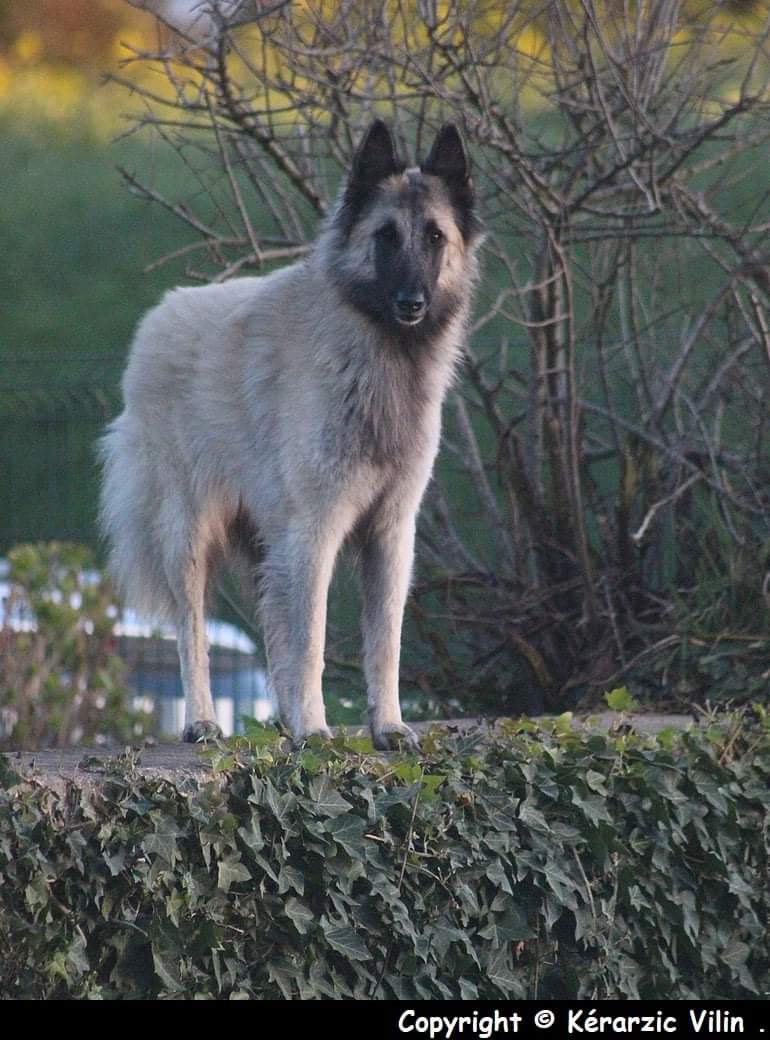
[[387, 567], [295, 584]]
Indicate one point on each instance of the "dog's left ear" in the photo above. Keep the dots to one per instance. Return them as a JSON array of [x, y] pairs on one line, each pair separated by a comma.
[[448, 159]]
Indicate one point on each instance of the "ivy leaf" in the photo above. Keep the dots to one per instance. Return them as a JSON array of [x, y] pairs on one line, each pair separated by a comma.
[[300, 914], [735, 954], [290, 877], [258, 734], [281, 805], [347, 942], [620, 699], [115, 861], [499, 973], [166, 958], [326, 798], [282, 975], [76, 954], [231, 871], [348, 832], [310, 897], [162, 841]]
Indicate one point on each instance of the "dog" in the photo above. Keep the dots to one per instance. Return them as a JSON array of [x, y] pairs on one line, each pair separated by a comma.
[[279, 417]]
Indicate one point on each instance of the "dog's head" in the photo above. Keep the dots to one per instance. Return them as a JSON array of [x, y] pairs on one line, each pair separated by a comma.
[[406, 234]]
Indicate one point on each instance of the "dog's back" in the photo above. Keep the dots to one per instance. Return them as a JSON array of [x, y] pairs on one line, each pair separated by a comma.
[[198, 390]]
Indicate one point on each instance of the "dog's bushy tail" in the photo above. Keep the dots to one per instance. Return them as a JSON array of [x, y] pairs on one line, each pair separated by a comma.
[[131, 522]]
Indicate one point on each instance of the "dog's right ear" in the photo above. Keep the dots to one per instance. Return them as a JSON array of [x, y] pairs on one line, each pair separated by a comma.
[[448, 158], [374, 160]]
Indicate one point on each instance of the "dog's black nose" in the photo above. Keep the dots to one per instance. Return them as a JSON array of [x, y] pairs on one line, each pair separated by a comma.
[[410, 306]]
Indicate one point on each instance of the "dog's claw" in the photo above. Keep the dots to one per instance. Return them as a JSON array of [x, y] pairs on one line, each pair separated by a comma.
[[323, 732], [395, 735], [201, 732]]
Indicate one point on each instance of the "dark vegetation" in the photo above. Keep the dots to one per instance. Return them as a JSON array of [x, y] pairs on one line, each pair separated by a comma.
[[541, 863]]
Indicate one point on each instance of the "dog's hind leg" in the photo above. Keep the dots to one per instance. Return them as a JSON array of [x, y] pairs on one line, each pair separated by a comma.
[[189, 590]]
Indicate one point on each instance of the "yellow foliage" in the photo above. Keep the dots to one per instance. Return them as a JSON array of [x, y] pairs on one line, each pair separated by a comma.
[[532, 44], [5, 79], [60, 95], [33, 86], [28, 46], [127, 42], [51, 93]]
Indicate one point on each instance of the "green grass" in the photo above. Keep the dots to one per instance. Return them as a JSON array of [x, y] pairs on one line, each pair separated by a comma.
[[75, 243]]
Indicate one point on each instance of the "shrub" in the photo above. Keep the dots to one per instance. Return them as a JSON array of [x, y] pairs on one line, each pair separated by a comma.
[[60, 681], [539, 862]]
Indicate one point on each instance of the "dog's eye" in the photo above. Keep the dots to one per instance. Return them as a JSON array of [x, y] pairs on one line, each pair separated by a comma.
[[435, 235]]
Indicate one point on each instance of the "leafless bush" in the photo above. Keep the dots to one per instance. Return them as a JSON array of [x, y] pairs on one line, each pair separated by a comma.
[[60, 681], [603, 498]]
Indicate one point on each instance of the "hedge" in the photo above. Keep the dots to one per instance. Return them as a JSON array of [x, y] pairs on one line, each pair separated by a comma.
[[539, 862]]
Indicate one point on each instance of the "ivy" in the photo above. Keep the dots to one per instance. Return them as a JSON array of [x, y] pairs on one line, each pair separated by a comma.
[[540, 862]]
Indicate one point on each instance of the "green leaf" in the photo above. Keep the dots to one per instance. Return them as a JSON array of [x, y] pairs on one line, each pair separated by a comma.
[[408, 772], [282, 805], [259, 734], [497, 875], [507, 927], [283, 976], [76, 954], [347, 942], [620, 699], [735, 954], [348, 832], [231, 871], [166, 964], [300, 914], [271, 881], [594, 807], [326, 798], [290, 878], [431, 782], [162, 841], [499, 973]]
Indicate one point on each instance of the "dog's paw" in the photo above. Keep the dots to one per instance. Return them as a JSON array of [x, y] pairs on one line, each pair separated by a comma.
[[298, 739], [394, 735], [201, 732]]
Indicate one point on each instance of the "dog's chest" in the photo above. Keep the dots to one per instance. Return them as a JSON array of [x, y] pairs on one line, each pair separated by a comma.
[[383, 422]]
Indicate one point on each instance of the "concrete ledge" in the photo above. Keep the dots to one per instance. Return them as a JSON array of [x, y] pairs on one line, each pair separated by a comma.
[[183, 762]]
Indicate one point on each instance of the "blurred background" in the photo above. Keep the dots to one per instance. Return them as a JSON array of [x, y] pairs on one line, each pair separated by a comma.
[[527, 600], [75, 245]]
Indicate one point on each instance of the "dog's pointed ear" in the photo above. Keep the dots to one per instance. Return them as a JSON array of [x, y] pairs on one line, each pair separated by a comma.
[[448, 159], [375, 158]]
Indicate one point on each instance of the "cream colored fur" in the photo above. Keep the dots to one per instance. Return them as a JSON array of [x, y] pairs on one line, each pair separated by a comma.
[[237, 400]]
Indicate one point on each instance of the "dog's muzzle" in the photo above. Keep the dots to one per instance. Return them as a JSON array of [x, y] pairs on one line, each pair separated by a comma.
[[410, 307]]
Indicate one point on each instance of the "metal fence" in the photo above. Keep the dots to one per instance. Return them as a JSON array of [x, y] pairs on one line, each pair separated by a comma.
[[238, 681], [49, 484]]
